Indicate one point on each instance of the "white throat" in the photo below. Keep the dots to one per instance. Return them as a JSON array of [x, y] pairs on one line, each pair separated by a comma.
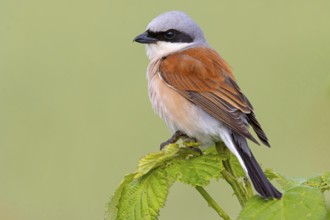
[[161, 49]]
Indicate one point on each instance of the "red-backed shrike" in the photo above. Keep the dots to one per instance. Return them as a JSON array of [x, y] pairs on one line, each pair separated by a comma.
[[192, 88]]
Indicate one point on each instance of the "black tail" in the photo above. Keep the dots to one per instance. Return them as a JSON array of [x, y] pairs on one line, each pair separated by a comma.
[[257, 176]]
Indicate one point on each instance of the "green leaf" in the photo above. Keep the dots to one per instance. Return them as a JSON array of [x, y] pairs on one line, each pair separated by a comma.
[[302, 199], [154, 160], [144, 197], [301, 202], [164, 157], [319, 181], [197, 171], [141, 195], [322, 181], [285, 182], [140, 198], [112, 210]]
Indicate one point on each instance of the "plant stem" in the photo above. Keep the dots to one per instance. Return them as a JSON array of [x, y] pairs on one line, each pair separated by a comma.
[[236, 186], [242, 193], [248, 187], [212, 203]]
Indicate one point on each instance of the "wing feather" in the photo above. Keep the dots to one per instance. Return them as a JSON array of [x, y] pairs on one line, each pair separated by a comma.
[[205, 79]]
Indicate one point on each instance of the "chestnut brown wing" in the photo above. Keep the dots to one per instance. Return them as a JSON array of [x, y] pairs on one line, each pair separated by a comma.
[[204, 78]]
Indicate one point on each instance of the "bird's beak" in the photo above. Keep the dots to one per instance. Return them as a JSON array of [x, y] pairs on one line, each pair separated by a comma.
[[145, 38]]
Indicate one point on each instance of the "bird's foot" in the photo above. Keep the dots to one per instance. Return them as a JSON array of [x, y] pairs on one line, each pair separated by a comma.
[[189, 142], [196, 149], [193, 145], [175, 137]]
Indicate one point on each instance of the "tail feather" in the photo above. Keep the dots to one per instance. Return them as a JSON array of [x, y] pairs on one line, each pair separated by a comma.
[[257, 128], [254, 171]]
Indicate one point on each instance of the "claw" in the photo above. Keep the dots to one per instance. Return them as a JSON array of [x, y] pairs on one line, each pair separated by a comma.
[[175, 137]]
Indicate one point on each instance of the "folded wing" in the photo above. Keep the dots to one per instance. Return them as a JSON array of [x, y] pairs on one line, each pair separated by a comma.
[[204, 78]]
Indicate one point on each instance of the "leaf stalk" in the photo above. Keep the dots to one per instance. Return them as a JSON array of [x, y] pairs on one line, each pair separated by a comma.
[[212, 203]]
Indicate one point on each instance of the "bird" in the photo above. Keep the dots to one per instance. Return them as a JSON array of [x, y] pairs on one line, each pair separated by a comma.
[[193, 89]]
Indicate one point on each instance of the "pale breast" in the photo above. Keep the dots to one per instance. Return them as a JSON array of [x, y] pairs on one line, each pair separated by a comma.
[[177, 112]]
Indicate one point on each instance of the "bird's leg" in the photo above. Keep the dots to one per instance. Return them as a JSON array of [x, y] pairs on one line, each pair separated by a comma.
[[175, 137], [197, 150]]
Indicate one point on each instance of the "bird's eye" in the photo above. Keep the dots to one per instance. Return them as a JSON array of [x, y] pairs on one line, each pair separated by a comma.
[[169, 35]]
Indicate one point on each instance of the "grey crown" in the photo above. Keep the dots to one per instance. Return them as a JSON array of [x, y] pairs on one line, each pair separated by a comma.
[[179, 21]]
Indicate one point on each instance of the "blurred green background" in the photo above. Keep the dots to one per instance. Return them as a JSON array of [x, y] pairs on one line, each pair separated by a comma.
[[75, 115]]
